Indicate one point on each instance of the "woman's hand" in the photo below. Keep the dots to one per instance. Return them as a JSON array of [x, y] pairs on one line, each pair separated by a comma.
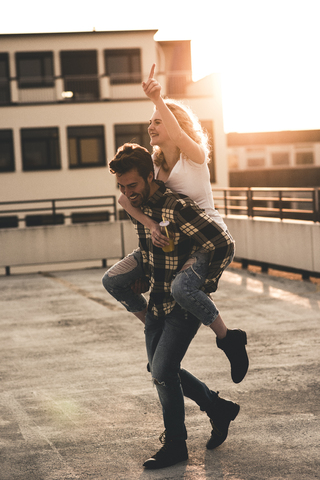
[[157, 238], [151, 87]]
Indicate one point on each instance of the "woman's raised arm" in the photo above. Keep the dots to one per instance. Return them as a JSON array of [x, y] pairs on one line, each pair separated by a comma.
[[189, 147]]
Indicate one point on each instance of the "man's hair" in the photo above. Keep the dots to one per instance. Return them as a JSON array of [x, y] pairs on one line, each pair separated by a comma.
[[132, 156]]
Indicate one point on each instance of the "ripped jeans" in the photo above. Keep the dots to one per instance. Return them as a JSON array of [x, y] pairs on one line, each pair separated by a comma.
[[167, 340], [119, 278], [185, 287]]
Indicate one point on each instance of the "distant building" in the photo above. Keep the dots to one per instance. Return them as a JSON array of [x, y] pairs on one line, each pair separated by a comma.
[[274, 159], [68, 100]]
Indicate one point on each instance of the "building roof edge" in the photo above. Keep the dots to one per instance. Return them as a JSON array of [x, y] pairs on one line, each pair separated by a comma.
[[86, 32]]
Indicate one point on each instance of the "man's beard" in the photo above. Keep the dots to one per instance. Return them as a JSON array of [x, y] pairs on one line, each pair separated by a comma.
[[142, 197]]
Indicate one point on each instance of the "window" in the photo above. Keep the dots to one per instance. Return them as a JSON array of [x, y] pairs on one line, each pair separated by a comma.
[[6, 151], [4, 79], [133, 133], [90, 217], [256, 157], [256, 162], [7, 221], [233, 161], [80, 71], [40, 149], [123, 66], [280, 158], [35, 69], [86, 146], [304, 158], [39, 220]]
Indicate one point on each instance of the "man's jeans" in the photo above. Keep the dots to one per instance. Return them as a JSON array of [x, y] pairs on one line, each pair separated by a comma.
[[185, 287], [119, 278], [167, 340]]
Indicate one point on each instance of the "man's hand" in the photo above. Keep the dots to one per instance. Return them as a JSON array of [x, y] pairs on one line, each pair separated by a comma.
[[157, 238], [151, 87], [140, 286]]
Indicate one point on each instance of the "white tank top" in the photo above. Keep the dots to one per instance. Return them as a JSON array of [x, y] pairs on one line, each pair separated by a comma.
[[193, 179]]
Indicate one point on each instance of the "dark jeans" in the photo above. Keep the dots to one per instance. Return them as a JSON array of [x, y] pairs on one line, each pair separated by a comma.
[[167, 341]]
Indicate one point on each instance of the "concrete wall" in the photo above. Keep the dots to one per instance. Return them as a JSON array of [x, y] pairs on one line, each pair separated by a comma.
[[69, 243], [289, 244]]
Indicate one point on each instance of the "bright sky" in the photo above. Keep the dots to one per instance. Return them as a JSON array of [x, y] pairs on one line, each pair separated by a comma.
[[267, 51]]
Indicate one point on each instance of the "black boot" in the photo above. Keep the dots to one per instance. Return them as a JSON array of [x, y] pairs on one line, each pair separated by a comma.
[[221, 414], [172, 452], [234, 346]]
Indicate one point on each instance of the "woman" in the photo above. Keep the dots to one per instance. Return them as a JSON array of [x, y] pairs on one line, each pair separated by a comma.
[[180, 155]]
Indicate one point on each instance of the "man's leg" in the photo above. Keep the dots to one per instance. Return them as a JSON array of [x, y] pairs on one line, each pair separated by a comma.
[[118, 281], [220, 411], [167, 341]]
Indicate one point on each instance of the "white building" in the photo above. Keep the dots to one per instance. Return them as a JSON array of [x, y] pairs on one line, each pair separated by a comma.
[[68, 100], [274, 159]]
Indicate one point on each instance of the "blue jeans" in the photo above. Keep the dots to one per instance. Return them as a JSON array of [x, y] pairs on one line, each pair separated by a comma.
[[185, 287], [119, 278], [167, 340]]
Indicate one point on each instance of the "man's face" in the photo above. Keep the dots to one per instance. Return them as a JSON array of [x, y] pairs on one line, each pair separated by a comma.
[[134, 187]]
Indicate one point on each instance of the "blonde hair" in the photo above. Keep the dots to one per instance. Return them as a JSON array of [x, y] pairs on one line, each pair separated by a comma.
[[189, 123]]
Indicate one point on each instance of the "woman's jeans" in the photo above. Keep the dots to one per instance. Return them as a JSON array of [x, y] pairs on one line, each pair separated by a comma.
[[185, 287], [167, 340]]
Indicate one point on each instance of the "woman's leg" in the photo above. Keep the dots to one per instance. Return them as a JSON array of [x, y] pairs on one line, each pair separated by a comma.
[[186, 291]]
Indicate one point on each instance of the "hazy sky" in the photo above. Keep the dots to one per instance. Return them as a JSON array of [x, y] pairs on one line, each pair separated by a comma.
[[266, 51]]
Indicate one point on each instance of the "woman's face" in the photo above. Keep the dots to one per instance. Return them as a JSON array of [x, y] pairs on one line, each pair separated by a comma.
[[157, 131]]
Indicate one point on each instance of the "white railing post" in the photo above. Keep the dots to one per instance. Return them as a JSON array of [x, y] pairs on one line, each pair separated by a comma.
[[59, 89], [14, 91], [105, 89]]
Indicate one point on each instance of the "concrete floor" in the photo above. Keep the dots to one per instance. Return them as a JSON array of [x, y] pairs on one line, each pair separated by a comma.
[[76, 401]]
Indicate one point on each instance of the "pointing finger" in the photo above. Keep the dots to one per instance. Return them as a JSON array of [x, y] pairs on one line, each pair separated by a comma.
[[152, 71]]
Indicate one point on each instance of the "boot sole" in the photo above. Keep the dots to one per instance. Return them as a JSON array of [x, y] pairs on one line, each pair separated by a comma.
[[235, 412]]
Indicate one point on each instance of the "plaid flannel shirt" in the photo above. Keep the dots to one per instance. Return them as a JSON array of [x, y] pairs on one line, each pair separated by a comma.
[[194, 230]]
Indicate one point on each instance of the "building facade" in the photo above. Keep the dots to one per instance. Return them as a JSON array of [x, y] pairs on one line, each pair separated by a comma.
[[68, 100], [274, 159]]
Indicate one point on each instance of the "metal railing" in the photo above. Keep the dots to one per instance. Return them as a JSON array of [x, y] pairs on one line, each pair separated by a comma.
[[282, 203], [56, 211]]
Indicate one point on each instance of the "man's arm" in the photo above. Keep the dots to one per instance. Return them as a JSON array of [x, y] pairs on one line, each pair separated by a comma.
[[158, 239]]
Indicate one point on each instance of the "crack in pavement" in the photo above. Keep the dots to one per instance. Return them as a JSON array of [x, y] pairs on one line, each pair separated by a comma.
[[81, 291]]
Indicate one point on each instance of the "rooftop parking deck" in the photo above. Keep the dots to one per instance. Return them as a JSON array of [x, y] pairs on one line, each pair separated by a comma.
[[76, 401]]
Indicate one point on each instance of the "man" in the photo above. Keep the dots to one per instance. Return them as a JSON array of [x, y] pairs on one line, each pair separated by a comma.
[[168, 328]]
